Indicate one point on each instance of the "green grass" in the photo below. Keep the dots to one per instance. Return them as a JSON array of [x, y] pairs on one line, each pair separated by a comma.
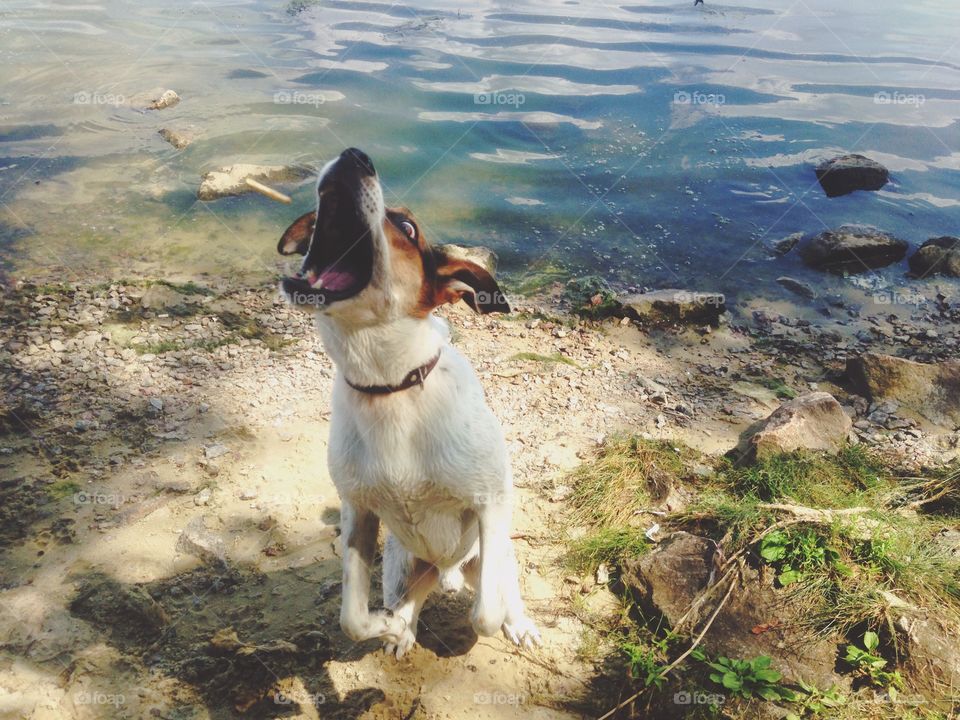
[[612, 546], [779, 387], [545, 359], [62, 489], [628, 474]]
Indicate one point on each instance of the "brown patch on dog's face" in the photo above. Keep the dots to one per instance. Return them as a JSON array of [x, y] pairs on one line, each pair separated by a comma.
[[426, 277]]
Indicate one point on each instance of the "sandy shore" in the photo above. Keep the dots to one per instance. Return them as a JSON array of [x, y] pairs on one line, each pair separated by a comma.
[[164, 481]]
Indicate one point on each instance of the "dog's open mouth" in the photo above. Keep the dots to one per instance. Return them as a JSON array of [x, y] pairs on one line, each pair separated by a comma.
[[339, 263]]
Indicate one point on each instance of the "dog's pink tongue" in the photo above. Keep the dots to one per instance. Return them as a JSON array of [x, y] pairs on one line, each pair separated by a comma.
[[337, 280]]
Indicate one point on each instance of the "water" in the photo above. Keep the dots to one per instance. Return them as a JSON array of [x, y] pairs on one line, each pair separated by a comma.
[[656, 145]]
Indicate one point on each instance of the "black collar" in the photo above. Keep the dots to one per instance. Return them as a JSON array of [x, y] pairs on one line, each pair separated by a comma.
[[414, 377]]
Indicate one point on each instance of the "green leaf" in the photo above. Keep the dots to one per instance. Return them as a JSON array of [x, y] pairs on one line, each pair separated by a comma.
[[772, 553], [870, 640], [892, 692], [788, 577], [762, 662], [717, 678], [768, 693], [731, 681], [767, 675]]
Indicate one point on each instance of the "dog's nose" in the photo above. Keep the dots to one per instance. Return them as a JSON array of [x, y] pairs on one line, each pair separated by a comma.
[[359, 159]]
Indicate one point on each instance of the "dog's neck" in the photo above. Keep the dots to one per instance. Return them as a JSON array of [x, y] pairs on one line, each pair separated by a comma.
[[382, 354]]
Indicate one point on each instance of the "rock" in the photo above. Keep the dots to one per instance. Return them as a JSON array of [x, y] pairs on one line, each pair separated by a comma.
[[198, 541], [212, 452], [813, 421], [852, 249], [202, 498], [673, 307], [930, 390], [230, 180], [937, 256], [168, 98], [126, 611], [667, 580], [797, 287], [158, 297], [844, 174], [933, 658], [482, 256], [778, 248], [179, 140]]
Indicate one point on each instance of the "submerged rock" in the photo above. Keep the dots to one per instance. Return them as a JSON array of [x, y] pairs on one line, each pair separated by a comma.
[[845, 174], [937, 256], [179, 140], [168, 98], [231, 180], [778, 248], [674, 307], [930, 390], [797, 287], [852, 249], [814, 421]]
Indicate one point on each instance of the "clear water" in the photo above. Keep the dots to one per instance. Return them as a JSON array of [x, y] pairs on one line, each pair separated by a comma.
[[655, 144]]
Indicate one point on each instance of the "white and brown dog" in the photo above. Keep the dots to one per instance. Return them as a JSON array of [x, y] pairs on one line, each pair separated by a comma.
[[412, 440]]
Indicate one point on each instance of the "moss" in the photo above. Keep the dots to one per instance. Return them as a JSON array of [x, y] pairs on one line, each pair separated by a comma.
[[546, 359]]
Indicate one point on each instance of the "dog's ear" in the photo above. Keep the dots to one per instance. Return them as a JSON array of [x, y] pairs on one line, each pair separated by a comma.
[[456, 279], [296, 238]]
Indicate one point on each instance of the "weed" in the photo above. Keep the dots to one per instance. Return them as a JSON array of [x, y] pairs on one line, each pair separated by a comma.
[[811, 701], [62, 489], [749, 678], [868, 664], [546, 359], [799, 552]]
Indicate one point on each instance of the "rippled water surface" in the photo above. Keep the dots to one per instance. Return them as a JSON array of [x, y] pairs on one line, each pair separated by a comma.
[[655, 144]]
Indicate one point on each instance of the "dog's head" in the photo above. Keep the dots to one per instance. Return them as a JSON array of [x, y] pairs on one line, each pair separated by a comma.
[[370, 263]]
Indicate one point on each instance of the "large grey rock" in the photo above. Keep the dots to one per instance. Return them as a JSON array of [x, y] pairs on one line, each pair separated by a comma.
[[756, 620], [847, 173], [232, 180], [852, 249], [674, 307], [937, 256], [814, 421], [930, 390], [933, 653], [198, 541]]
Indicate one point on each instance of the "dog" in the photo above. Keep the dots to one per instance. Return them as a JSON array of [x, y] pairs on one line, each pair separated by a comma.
[[412, 441]]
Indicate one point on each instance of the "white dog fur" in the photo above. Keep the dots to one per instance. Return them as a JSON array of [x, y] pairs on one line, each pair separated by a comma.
[[430, 462]]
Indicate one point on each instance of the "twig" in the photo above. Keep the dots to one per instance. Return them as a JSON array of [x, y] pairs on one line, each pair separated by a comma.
[[268, 191], [684, 656]]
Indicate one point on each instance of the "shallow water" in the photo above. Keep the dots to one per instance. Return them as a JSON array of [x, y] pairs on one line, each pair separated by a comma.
[[656, 145]]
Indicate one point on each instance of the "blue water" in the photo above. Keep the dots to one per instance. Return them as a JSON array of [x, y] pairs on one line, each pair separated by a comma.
[[656, 145]]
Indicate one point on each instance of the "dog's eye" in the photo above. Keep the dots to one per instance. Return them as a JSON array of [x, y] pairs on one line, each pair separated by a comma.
[[409, 229]]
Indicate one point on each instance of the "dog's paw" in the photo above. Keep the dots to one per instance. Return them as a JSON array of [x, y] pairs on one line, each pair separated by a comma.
[[387, 626], [522, 632], [403, 645]]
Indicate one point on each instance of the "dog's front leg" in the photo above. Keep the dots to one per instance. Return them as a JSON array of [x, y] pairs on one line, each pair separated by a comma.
[[359, 545], [489, 609]]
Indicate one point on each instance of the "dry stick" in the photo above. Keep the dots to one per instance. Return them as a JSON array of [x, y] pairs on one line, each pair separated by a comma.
[[268, 191], [675, 663]]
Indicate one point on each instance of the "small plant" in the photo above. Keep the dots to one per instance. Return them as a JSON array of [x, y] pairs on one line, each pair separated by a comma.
[[811, 701], [644, 665], [607, 545], [868, 664], [750, 678], [798, 553]]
